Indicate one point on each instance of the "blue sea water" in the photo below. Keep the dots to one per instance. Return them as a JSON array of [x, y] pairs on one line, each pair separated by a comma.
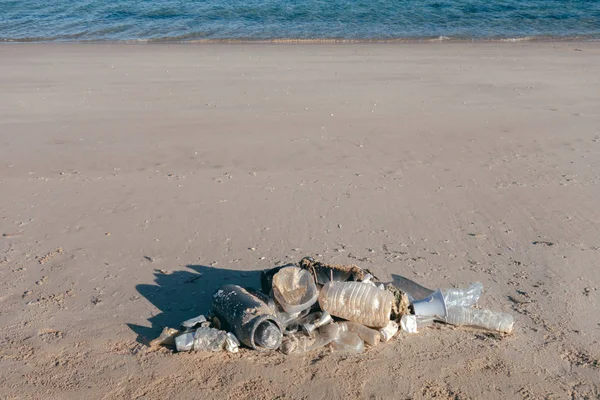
[[178, 20]]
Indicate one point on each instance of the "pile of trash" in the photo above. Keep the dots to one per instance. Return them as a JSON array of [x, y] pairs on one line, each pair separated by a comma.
[[309, 305]]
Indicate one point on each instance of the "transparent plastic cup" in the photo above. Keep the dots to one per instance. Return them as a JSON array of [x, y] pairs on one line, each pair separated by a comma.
[[294, 289]]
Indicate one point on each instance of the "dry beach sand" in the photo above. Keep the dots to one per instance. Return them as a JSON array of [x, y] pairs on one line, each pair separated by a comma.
[[136, 179]]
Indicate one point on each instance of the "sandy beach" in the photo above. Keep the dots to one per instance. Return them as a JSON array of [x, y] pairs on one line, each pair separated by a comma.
[[137, 179]]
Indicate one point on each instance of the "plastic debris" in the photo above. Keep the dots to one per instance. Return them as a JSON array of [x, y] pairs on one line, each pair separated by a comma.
[[193, 322], [413, 323], [348, 342], [231, 343], [312, 305], [185, 342], [318, 319], [389, 331], [463, 297], [408, 323], [166, 338], [207, 339], [368, 335], [300, 343]]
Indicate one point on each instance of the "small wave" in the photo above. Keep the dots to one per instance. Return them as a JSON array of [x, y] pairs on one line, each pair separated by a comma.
[[519, 39]]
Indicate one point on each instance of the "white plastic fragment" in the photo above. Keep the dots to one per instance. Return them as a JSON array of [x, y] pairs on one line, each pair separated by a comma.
[[192, 322], [412, 323], [409, 323], [185, 342], [388, 331], [232, 343]]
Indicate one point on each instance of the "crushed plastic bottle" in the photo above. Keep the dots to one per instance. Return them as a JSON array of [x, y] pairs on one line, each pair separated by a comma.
[[348, 342], [368, 335], [206, 339], [209, 339], [482, 318], [300, 343], [358, 302], [463, 297]]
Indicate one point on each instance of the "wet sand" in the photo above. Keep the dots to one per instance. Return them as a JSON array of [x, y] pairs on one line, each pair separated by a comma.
[[137, 179]]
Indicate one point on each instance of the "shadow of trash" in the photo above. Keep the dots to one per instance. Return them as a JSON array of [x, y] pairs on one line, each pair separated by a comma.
[[184, 294], [410, 287]]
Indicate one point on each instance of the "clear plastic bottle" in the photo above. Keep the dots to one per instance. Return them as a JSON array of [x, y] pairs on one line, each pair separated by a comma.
[[358, 302], [463, 297], [482, 318], [368, 335]]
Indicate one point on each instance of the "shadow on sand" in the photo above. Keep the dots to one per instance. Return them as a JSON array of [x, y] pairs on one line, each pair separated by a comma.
[[184, 294]]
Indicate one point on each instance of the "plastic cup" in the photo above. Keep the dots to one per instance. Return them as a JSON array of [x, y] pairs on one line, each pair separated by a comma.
[[432, 305]]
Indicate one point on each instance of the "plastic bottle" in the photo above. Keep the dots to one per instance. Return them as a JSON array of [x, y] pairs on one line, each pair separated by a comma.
[[248, 316], [358, 302], [368, 335], [315, 320], [463, 297], [487, 319]]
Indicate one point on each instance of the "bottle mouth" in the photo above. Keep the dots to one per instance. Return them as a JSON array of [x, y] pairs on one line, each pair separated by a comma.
[[268, 335]]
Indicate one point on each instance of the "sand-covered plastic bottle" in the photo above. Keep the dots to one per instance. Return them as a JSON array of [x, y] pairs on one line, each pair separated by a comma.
[[356, 301]]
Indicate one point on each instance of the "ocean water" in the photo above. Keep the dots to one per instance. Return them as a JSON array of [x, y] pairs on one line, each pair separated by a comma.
[[189, 20]]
